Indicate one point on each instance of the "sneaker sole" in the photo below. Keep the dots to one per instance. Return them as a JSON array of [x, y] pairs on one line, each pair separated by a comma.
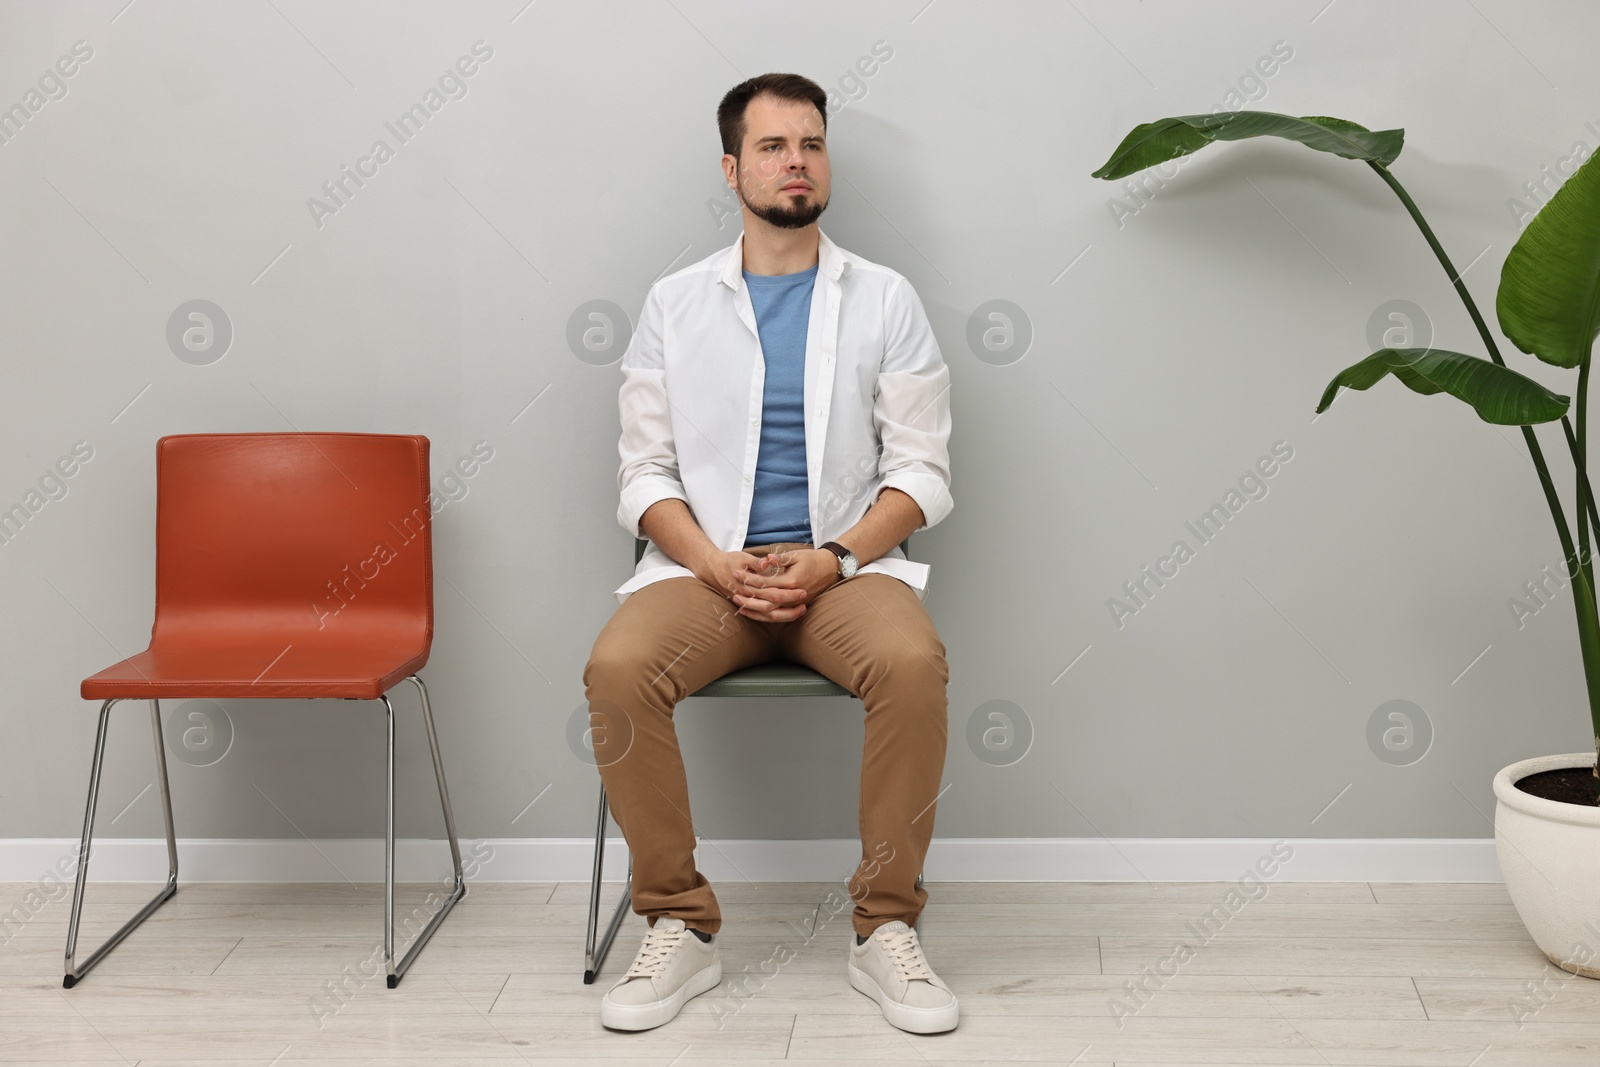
[[649, 1016], [912, 1020]]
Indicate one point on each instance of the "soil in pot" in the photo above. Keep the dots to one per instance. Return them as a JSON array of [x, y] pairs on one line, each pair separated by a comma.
[[1568, 785]]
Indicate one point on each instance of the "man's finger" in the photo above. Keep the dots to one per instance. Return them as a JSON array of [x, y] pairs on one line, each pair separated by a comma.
[[777, 615], [766, 609], [773, 594], [769, 581]]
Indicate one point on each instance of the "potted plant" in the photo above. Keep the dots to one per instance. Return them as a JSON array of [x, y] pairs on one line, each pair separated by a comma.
[[1547, 822]]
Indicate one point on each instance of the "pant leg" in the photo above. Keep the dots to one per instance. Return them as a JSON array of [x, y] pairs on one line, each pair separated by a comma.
[[665, 641], [872, 635]]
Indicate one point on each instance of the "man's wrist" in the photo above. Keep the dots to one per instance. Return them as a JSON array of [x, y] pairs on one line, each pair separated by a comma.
[[701, 557], [837, 559], [834, 578]]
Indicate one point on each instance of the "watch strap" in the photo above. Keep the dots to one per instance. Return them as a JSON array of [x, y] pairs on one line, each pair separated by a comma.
[[836, 548]]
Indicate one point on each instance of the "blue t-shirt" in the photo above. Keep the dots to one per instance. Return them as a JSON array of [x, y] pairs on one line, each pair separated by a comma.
[[780, 509]]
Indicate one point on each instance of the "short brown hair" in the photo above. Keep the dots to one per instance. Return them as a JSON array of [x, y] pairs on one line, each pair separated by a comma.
[[730, 113]]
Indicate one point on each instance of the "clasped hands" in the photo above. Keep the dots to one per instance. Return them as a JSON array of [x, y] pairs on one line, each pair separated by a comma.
[[774, 587]]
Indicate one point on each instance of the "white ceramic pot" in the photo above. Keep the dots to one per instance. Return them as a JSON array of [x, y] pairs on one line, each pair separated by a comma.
[[1550, 856]]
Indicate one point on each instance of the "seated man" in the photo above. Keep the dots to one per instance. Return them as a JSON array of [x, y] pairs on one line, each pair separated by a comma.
[[785, 425]]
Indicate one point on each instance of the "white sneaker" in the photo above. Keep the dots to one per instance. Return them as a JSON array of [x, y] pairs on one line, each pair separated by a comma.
[[672, 966], [890, 968]]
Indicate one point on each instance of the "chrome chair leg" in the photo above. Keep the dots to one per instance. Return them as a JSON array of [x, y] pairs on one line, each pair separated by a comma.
[[75, 971], [590, 964], [438, 774], [396, 971], [593, 957], [388, 846]]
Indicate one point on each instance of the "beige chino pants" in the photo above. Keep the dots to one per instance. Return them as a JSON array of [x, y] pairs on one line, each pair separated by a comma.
[[869, 634]]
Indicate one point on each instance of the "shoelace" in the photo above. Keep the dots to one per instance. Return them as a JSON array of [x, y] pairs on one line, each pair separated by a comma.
[[906, 954], [656, 950]]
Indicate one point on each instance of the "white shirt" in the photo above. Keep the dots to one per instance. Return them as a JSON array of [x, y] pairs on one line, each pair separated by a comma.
[[877, 405]]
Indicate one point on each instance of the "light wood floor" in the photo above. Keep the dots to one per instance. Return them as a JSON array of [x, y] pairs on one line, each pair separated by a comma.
[[1313, 973]]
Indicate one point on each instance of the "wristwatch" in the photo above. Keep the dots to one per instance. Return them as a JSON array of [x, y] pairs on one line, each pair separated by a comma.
[[848, 564]]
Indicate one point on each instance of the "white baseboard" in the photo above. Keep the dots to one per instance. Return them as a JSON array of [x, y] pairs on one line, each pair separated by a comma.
[[949, 860]]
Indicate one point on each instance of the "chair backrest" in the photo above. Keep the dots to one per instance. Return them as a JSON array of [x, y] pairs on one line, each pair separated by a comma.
[[639, 543], [325, 535]]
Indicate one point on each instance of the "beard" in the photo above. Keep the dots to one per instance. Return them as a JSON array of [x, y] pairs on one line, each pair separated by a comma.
[[788, 211]]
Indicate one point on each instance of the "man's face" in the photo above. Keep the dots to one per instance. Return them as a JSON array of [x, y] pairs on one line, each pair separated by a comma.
[[782, 170]]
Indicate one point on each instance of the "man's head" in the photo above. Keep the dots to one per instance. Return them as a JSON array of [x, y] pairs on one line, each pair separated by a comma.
[[774, 143]]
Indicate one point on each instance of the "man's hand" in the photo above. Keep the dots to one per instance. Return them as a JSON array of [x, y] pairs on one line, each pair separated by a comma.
[[780, 593], [771, 588], [722, 570]]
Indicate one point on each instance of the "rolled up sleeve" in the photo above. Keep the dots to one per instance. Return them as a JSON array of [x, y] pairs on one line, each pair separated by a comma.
[[911, 408], [649, 470]]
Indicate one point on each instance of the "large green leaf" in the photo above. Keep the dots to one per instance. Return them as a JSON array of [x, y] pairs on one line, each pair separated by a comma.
[[1498, 394], [1156, 142], [1549, 299]]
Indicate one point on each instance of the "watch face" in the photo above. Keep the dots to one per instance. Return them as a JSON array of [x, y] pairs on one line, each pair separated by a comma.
[[848, 565]]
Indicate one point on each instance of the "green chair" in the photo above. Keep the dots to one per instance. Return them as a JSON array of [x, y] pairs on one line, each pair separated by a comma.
[[777, 678]]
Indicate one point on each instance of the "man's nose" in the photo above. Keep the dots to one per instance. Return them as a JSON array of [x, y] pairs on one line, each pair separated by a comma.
[[786, 166]]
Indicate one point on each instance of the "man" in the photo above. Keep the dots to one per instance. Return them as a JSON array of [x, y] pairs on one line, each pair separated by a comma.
[[785, 425]]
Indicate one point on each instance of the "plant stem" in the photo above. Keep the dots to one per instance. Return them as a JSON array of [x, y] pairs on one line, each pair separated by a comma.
[[1585, 498], [1577, 449], [1578, 459], [1572, 446], [1583, 492], [1583, 599]]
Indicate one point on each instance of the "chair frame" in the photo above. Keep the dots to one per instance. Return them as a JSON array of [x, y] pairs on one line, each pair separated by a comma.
[[395, 970], [757, 680]]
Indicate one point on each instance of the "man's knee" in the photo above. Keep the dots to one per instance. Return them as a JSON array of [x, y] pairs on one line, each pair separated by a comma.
[[908, 660], [929, 659], [601, 665], [614, 665]]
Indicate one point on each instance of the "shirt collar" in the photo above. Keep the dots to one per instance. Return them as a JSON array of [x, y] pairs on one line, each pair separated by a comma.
[[831, 261]]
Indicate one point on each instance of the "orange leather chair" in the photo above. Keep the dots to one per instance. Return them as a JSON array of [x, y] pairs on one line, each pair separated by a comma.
[[287, 565]]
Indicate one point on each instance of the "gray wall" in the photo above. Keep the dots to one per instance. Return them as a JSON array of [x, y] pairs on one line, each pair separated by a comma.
[[1186, 339]]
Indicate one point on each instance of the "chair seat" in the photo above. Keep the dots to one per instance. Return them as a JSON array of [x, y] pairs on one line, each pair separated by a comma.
[[776, 679], [263, 669]]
